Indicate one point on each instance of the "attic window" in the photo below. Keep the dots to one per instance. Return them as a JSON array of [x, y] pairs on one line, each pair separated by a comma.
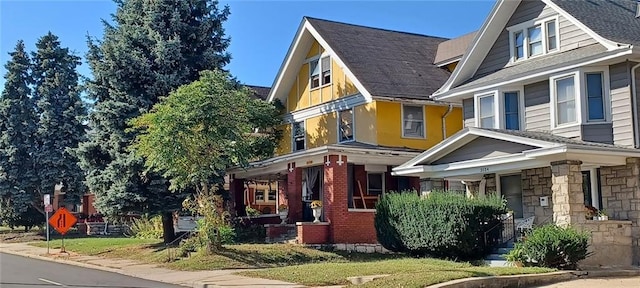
[[533, 38], [320, 72], [298, 136]]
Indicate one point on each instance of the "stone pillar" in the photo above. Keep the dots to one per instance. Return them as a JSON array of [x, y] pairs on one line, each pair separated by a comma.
[[335, 195], [294, 192], [236, 190], [568, 198]]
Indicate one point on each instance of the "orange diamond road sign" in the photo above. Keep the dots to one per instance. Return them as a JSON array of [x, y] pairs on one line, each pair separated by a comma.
[[62, 220]]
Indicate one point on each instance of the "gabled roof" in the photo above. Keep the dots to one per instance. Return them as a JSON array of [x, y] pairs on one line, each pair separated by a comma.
[[452, 50], [612, 19], [259, 92], [576, 12], [380, 62]]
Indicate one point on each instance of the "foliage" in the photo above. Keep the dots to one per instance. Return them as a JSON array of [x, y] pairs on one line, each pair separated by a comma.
[[61, 112], [282, 208], [448, 225], [552, 246], [146, 228], [28, 219], [192, 146], [149, 49], [189, 245], [246, 232], [208, 204], [316, 204], [227, 234], [251, 212]]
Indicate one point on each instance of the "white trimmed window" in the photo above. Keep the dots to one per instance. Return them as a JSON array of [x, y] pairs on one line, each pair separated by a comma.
[[533, 38], [345, 125], [413, 121], [298, 136], [565, 100], [320, 71], [511, 110], [486, 111]]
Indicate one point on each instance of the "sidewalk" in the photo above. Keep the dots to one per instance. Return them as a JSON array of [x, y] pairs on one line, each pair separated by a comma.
[[196, 279]]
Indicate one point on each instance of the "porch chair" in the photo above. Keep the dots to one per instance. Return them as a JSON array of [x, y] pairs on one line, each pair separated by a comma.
[[525, 226]]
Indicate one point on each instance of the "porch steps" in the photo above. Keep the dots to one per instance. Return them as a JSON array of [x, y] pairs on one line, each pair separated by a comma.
[[289, 237], [498, 256]]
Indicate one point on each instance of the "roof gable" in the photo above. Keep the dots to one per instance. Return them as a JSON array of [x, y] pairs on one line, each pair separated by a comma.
[[488, 34], [481, 147]]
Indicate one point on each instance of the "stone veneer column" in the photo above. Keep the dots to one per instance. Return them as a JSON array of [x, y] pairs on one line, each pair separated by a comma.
[[294, 192], [335, 195], [568, 198]]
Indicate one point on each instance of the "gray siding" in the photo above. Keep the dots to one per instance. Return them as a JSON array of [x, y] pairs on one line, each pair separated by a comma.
[[482, 147], [468, 112], [536, 107], [637, 95], [571, 36], [602, 133], [621, 115]]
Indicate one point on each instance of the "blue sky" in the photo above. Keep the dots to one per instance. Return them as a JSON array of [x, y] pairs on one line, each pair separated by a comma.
[[260, 31]]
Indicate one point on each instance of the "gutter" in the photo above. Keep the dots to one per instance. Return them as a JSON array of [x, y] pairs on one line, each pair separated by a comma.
[[444, 121]]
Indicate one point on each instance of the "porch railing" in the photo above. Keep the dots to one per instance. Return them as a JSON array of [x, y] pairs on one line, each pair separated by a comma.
[[501, 233]]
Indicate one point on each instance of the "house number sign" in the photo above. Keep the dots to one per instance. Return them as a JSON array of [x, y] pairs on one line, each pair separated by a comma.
[[484, 169]]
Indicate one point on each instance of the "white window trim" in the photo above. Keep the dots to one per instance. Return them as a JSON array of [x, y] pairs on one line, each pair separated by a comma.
[[353, 126], [424, 121], [502, 112], [606, 95], [293, 135], [553, 103], [319, 58], [496, 108], [382, 174], [524, 27]]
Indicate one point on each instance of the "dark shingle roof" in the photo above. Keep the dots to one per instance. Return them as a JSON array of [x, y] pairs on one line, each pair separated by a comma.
[[388, 63], [612, 19], [259, 92], [356, 144], [548, 137]]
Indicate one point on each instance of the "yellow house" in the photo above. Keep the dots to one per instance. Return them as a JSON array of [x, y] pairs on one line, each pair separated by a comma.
[[356, 105]]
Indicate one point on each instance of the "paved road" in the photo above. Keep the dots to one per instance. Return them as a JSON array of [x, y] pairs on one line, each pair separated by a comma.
[[622, 282], [22, 272]]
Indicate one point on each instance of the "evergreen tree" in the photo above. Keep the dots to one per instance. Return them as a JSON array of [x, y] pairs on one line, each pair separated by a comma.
[[17, 126], [151, 48], [60, 127]]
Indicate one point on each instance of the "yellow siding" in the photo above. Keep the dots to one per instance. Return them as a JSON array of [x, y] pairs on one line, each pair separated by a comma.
[[322, 130], [389, 124], [452, 66], [365, 121], [314, 50], [284, 147], [303, 84], [315, 97]]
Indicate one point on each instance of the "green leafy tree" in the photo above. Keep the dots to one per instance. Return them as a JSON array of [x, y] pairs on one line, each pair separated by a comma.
[[17, 126], [61, 111], [151, 48], [198, 132]]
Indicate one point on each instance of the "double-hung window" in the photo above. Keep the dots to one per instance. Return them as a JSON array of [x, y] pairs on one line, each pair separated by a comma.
[[412, 121], [298, 136], [595, 96], [511, 111], [533, 39], [345, 123], [486, 112], [565, 105], [320, 72]]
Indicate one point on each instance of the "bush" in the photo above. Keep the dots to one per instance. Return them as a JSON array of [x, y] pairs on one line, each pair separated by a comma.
[[252, 212], [446, 225], [189, 245], [246, 232], [146, 228], [552, 246], [227, 234]]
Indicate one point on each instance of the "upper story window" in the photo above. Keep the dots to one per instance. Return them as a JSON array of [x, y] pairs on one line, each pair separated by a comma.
[[298, 136], [533, 38], [595, 96], [565, 100], [345, 124], [581, 96], [486, 111], [412, 121], [511, 111], [320, 71]]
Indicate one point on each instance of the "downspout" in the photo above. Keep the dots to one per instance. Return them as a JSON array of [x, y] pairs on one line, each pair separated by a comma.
[[444, 121], [634, 109]]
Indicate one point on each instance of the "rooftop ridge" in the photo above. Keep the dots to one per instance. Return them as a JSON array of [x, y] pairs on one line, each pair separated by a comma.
[[376, 28]]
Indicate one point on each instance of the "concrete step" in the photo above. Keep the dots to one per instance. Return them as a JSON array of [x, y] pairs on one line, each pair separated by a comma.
[[498, 263], [496, 257], [501, 250]]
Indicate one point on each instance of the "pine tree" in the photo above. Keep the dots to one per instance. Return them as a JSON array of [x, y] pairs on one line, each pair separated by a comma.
[[151, 48], [17, 126], [61, 112]]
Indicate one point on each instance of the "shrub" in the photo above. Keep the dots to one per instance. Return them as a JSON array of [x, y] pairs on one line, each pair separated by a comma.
[[189, 245], [448, 225], [227, 234], [247, 232], [146, 228], [251, 212], [552, 246]]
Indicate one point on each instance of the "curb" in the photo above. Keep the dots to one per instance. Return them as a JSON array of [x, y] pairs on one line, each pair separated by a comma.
[[528, 280]]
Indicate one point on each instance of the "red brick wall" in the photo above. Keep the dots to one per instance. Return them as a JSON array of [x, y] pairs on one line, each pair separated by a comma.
[[294, 193], [274, 231], [309, 233]]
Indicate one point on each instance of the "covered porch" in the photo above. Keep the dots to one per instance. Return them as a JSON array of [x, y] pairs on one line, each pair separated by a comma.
[[348, 178], [548, 178]]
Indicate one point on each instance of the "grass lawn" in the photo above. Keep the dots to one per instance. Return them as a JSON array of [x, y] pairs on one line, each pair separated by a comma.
[[293, 263]]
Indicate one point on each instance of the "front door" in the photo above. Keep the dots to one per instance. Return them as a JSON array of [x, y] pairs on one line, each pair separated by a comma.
[[511, 189]]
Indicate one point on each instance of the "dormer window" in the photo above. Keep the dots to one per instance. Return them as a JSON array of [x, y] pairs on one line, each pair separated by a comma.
[[533, 39]]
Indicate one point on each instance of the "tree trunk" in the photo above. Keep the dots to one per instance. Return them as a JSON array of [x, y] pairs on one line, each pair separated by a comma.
[[167, 227]]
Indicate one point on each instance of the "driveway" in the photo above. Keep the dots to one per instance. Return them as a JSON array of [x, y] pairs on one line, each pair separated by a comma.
[[622, 282]]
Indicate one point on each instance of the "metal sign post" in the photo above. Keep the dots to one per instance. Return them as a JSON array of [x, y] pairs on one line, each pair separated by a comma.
[[47, 207]]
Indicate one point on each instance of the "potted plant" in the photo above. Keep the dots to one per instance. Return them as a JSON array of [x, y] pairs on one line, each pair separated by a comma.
[[603, 215], [283, 212], [316, 205], [592, 213]]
